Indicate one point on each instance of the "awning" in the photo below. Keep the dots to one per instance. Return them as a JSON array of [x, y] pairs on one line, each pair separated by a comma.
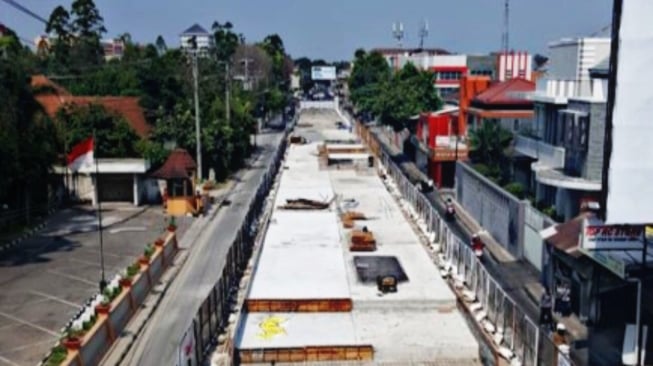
[[566, 236]]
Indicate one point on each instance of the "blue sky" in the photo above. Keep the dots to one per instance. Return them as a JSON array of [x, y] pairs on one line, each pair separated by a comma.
[[334, 29]]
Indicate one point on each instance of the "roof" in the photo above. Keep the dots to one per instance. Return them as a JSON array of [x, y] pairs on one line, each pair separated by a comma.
[[195, 29], [502, 93], [565, 236], [177, 166], [601, 69], [56, 97], [397, 51]]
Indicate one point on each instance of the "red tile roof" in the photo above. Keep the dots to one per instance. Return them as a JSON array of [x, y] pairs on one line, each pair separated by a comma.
[[126, 107], [178, 165], [502, 93]]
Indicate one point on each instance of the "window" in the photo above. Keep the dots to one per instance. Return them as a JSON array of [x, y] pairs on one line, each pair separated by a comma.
[[449, 75], [583, 131], [515, 125]]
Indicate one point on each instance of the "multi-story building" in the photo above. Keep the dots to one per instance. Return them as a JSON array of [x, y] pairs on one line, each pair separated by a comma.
[[501, 66], [437, 143], [566, 141], [203, 39], [113, 49]]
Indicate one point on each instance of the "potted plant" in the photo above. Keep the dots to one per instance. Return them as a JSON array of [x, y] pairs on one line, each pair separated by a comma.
[[159, 242], [104, 307], [147, 255], [57, 356], [172, 224], [132, 271], [73, 338]]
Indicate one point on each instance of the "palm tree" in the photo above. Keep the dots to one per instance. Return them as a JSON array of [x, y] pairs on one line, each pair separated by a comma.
[[488, 144]]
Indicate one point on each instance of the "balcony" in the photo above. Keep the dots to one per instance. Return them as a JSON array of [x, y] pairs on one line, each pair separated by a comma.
[[546, 154]]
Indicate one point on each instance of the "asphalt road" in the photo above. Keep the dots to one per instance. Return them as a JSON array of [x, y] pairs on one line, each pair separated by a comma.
[[46, 279], [159, 342]]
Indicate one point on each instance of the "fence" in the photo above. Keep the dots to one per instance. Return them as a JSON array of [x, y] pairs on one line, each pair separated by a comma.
[[521, 335], [213, 315]]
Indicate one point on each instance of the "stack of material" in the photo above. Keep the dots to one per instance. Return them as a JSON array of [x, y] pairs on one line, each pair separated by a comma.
[[362, 241], [349, 217], [295, 139], [305, 204]]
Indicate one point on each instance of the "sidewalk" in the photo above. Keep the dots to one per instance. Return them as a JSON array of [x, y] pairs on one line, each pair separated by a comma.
[[519, 279]]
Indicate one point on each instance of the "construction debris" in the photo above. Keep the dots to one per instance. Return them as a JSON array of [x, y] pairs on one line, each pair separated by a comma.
[[349, 217], [305, 204], [362, 241], [296, 139]]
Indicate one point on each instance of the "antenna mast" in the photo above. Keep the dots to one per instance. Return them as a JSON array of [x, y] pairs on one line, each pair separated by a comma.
[[505, 37], [423, 33], [398, 32]]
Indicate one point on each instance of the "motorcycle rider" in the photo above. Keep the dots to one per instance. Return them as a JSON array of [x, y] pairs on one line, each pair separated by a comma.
[[477, 246], [450, 210]]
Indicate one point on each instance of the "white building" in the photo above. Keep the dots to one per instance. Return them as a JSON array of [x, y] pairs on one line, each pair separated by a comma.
[[203, 39]]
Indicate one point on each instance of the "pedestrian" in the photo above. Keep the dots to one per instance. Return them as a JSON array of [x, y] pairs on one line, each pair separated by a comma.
[[546, 303], [557, 305], [565, 300]]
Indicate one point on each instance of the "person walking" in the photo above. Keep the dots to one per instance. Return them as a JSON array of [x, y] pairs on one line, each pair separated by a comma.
[[565, 300], [546, 303]]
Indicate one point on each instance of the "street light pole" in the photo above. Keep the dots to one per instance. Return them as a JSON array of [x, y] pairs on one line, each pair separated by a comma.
[[197, 115], [227, 93]]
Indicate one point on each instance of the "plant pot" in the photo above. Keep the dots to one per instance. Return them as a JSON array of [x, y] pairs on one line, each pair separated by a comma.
[[126, 282], [143, 260], [72, 343], [159, 242], [172, 228], [103, 308]]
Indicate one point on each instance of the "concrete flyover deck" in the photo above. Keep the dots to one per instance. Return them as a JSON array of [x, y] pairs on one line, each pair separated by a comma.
[[418, 324]]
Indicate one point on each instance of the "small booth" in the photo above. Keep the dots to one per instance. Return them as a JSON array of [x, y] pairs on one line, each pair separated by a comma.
[[179, 196]]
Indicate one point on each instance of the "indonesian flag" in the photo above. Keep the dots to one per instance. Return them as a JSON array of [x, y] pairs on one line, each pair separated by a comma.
[[81, 155]]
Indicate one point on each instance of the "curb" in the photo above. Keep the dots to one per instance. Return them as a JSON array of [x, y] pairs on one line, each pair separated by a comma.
[[26, 234]]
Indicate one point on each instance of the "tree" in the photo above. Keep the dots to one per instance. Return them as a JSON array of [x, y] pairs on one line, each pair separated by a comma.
[[488, 144], [88, 27], [226, 41], [59, 26], [160, 44], [114, 138]]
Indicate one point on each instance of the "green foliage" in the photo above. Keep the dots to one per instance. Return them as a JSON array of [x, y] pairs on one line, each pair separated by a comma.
[[28, 142], [225, 40], [516, 189], [394, 98], [148, 251], [114, 138], [57, 356], [133, 270]]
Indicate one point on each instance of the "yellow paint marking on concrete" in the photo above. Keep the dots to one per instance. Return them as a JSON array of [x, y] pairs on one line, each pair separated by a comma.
[[271, 327]]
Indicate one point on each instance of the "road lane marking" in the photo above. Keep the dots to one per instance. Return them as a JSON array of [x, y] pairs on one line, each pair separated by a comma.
[[54, 298], [8, 361], [25, 346], [71, 277], [25, 322]]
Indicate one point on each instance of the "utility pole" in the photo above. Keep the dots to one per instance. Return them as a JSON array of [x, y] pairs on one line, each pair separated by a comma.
[[197, 116], [227, 92]]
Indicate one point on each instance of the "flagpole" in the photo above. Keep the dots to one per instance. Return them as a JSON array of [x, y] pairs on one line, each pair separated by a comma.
[[103, 281]]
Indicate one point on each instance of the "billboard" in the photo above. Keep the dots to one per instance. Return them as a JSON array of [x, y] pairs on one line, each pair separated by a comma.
[[628, 168], [323, 72]]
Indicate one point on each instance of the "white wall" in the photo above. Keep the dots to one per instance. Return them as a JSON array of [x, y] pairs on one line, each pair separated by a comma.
[[571, 59]]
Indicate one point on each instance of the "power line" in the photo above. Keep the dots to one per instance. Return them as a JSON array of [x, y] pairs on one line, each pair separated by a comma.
[[26, 11]]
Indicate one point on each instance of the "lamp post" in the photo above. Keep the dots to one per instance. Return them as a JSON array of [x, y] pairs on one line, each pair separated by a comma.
[[194, 54]]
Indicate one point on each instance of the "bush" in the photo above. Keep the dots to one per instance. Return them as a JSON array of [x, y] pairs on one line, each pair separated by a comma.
[[57, 356], [133, 270], [516, 189], [149, 250]]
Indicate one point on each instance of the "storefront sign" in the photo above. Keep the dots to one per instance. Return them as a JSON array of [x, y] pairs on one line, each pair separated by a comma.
[[605, 243]]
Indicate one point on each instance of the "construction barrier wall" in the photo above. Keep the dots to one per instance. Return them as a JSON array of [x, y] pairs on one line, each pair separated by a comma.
[[306, 354], [522, 336], [213, 315], [298, 305]]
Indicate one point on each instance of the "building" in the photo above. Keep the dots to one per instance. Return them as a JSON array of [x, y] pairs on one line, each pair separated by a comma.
[[567, 137], [437, 143], [120, 179], [503, 103], [501, 66], [113, 49], [203, 39]]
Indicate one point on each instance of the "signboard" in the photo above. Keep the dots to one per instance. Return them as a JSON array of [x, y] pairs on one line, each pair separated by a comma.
[[628, 185], [323, 73], [606, 244]]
